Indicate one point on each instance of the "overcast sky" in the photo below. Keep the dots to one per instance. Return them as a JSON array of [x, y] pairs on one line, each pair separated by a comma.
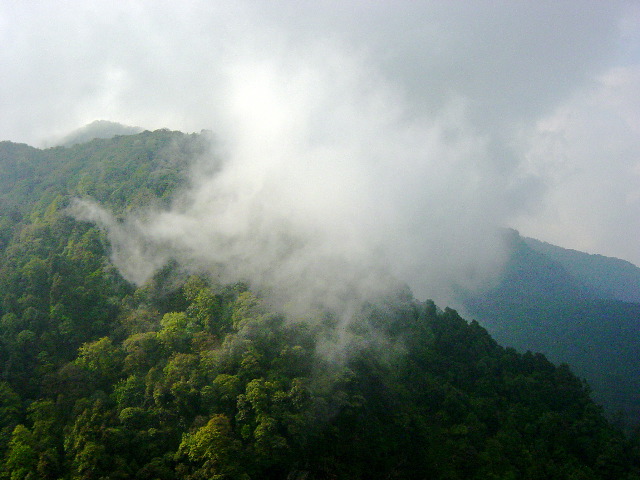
[[533, 106]]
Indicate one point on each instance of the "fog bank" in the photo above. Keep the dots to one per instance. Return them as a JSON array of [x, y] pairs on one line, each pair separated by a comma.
[[330, 189]]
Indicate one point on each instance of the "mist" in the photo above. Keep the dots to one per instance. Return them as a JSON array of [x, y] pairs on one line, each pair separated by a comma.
[[327, 191]]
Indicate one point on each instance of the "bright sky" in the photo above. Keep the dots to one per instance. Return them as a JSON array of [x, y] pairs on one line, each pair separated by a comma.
[[536, 104]]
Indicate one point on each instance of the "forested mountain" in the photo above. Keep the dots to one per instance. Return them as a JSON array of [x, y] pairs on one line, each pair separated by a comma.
[[186, 378], [555, 301], [607, 277]]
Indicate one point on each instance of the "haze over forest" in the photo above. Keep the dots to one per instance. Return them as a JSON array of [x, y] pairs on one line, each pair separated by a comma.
[[397, 135]]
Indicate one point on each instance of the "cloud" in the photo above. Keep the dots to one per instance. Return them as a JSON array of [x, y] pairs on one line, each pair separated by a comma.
[[588, 152], [329, 190], [159, 63]]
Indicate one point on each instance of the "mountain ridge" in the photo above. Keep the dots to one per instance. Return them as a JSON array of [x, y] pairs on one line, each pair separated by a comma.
[[609, 277], [97, 129]]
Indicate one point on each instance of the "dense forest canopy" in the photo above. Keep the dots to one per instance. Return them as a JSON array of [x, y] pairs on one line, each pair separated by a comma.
[[187, 377]]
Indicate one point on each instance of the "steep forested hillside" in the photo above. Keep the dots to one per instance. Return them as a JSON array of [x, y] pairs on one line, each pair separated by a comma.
[[542, 306], [184, 378]]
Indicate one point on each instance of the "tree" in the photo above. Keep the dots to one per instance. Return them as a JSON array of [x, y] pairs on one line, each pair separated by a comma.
[[213, 452], [22, 458], [10, 409], [102, 358]]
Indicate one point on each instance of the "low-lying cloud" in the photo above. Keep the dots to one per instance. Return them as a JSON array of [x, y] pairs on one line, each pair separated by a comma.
[[330, 189]]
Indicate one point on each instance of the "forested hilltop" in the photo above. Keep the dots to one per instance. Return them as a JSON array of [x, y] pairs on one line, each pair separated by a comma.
[[186, 378]]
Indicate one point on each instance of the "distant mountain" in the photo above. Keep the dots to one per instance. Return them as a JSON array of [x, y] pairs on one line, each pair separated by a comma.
[[608, 277], [96, 129], [551, 300]]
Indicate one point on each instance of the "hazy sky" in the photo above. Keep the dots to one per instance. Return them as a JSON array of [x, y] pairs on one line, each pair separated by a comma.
[[491, 113]]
